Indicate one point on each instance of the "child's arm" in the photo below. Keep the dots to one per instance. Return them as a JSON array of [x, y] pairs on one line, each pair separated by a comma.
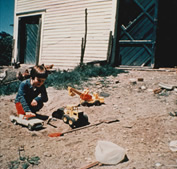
[[22, 91], [44, 96]]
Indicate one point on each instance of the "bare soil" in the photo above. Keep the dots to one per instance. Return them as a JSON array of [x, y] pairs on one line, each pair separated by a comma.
[[145, 127]]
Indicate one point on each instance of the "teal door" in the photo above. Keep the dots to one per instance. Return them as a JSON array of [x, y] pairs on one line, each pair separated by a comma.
[[31, 43], [29, 39]]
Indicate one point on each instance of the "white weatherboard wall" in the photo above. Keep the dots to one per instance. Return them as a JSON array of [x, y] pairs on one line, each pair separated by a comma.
[[63, 26]]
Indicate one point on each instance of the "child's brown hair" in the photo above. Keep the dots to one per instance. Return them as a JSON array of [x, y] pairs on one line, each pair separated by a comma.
[[39, 71]]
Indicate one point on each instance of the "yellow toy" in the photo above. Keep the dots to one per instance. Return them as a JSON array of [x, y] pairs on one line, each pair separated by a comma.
[[86, 99], [72, 116]]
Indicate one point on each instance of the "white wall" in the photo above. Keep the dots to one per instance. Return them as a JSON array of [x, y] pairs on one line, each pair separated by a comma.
[[63, 26]]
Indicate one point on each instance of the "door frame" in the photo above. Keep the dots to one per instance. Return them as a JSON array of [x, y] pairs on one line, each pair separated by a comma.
[[17, 18]]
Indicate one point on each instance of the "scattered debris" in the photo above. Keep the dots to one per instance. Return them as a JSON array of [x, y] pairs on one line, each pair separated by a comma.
[[103, 94], [166, 86], [157, 91], [173, 114], [48, 67], [91, 165], [107, 152], [51, 119], [143, 87], [140, 79], [175, 89], [158, 164], [16, 65], [23, 76], [3, 75], [132, 81], [173, 145]]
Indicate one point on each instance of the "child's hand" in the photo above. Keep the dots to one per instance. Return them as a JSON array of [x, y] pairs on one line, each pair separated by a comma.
[[30, 114], [34, 102]]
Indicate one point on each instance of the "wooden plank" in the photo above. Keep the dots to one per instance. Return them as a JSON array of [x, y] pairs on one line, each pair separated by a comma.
[[136, 42], [71, 5]]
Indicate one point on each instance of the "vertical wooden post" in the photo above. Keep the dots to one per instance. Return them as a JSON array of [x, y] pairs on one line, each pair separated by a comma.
[[38, 41], [84, 40]]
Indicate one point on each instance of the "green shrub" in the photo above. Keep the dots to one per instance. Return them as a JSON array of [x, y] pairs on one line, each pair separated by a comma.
[[80, 74], [63, 79], [8, 89], [5, 48]]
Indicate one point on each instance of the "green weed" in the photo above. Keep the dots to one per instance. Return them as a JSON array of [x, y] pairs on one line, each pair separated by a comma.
[[63, 79]]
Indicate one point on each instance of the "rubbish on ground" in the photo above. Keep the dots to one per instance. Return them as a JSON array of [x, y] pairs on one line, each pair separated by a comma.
[[132, 81], [48, 67], [104, 94], [3, 75], [173, 145], [51, 119], [157, 91], [173, 114], [143, 87], [140, 79], [91, 165], [158, 164], [80, 128], [86, 98], [23, 76], [166, 86], [109, 153]]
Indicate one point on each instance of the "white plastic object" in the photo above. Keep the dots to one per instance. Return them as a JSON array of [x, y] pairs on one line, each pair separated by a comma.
[[173, 145], [109, 153]]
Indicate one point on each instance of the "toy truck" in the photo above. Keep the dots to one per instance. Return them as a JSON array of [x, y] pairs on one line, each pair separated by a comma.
[[73, 116], [30, 122], [87, 99]]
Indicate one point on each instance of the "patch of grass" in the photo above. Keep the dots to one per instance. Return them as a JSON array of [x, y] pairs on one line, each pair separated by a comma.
[[10, 88], [24, 163], [63, 79]]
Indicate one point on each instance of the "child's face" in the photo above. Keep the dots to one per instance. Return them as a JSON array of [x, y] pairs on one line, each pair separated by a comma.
[[38, 82]]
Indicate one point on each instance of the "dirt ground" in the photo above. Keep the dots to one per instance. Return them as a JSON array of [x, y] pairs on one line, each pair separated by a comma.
[[144, 127]]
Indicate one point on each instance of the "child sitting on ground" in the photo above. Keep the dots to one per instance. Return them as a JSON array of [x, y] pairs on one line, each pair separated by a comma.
[[32, 92]]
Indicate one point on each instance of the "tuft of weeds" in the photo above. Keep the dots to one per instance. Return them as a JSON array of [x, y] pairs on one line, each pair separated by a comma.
[[63, 79], [23, 162], [8, 89], [79, 75]]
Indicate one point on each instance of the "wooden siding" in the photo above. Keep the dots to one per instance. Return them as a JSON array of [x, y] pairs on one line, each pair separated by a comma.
[[64, 26]]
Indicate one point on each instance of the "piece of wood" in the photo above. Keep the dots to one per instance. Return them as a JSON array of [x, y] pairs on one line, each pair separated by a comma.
[[166, 86], [87, 126], [80, 128], [157, 91], [91, 165]]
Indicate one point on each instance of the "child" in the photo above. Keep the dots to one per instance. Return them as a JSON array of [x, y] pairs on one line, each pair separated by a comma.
[[32, 92]]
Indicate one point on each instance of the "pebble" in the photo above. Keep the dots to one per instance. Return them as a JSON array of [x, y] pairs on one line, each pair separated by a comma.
[[158, 164], [47, 154]]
